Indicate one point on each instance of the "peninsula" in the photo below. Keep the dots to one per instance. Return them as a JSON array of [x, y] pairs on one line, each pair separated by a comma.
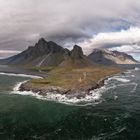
[[64, 71]]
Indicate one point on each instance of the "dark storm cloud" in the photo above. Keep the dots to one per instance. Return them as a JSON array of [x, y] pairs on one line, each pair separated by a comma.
[[23, 22], [124, 40]]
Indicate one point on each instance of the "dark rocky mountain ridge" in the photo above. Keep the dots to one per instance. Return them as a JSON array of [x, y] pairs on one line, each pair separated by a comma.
[[46, 53], [49, 54]]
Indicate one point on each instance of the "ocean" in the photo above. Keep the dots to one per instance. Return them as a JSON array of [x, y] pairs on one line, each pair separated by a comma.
[[109, 113]]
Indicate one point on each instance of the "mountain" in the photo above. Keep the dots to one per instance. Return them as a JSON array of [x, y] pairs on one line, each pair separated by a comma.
[[103, 56], [76, 58], [49, 54]]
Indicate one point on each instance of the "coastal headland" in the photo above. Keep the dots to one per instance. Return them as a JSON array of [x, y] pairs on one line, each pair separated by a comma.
[[69, 81]]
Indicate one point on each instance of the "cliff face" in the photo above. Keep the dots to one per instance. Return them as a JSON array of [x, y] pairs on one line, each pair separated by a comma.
[[107, 57], [49, 54]]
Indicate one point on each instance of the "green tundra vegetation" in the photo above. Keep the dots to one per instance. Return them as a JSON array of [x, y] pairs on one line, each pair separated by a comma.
[[72, 78]]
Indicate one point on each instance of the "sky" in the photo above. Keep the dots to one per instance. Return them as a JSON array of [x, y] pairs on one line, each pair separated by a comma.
[[91, 24]]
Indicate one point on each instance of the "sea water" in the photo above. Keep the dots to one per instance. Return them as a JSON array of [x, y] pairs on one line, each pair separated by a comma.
[[109, 113]]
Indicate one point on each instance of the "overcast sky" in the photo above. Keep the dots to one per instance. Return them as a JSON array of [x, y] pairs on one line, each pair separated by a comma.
[[89, 23]]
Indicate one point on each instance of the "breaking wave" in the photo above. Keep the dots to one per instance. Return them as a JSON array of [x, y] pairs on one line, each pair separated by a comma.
[[137, 68], [124, 80], [93, 98]]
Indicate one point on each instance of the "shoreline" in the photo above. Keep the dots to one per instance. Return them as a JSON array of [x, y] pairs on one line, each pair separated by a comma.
[[79, 94], [15, 71], [90, 93], [95, 96], [20, 75]]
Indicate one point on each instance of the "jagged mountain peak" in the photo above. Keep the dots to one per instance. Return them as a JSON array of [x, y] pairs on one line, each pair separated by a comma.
[[50, 54], [41, 42], [77, 47], [77, 52], [43, 47]]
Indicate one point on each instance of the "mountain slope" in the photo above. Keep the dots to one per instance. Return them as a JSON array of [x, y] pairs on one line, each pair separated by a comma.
[[49, 54], [76, 58], [106, 57], [38, 54]]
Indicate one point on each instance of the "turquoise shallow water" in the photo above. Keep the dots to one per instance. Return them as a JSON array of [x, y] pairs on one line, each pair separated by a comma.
[[116, 117]]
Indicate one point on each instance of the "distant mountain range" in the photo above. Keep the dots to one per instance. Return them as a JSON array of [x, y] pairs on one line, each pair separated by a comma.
[[103, 56], [50, 54]]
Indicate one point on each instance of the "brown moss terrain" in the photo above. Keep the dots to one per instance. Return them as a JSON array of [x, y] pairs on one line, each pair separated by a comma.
[[71, 80]]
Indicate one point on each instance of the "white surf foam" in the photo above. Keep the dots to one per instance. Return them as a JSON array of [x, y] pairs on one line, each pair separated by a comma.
[[137, 68], [124, 80], [133, 84], [135, 87], [20, 75], [128, 71], [132, 75], [115, 97], [93, 98]]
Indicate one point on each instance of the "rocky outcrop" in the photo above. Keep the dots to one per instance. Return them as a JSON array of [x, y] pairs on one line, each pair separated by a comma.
[[78, 92], [77, 52], [76, 59]]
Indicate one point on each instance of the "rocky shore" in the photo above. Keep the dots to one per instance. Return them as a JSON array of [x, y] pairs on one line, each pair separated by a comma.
[[72, 83], [78, 93], [68, 82]]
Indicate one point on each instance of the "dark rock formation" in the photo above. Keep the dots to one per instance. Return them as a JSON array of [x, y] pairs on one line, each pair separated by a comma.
[[42, 54], [49, 54], [77, 52], [79, 93]]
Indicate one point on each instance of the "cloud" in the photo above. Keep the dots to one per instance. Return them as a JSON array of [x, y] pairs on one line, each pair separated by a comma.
[[127, 48], [8, 51], [24, 21], [124, 40], [91, 23], [136, 56], [5, 53]]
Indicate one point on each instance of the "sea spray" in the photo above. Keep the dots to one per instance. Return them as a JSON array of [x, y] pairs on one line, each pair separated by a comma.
[[94, 97]]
